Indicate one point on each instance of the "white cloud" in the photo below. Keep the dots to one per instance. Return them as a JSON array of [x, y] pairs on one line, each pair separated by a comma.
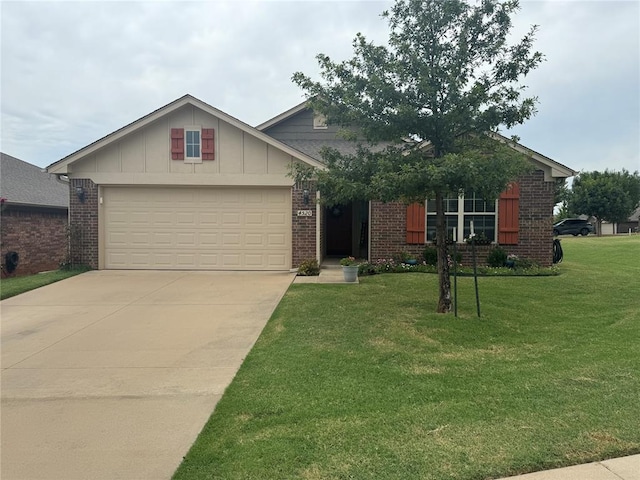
[[75, 71]]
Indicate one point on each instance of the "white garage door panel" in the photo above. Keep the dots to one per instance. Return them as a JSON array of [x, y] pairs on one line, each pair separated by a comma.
[[197, 228]]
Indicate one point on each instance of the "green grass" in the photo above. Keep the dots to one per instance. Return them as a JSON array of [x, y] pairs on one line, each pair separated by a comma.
[[10, 287], [364, 381]]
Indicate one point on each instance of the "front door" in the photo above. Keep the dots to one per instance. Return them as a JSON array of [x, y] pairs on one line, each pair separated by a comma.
[[346, 230], [339, 228]]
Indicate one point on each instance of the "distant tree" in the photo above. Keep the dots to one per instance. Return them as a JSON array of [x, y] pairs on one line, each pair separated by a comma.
[[607, 196], [563, 212], [561, 195], [561, 191], [446, 79]]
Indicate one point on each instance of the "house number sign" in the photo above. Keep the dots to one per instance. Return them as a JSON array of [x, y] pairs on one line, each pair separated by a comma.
[[305, 213]]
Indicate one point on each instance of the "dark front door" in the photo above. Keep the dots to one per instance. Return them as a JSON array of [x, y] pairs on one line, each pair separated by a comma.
[[339, 221]]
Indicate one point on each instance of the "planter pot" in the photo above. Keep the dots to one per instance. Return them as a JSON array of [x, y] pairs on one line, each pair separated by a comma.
[[350, 273]]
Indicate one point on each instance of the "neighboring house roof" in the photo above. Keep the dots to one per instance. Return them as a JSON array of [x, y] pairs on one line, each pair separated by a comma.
[[283, 116], [312, 147], [60, 167], [22, 183], [635, 216]]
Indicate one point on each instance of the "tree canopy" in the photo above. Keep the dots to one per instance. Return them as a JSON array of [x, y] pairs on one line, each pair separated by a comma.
[[423, 108], [607, 196]]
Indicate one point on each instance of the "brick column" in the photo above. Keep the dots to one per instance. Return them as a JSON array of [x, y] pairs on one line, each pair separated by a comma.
[[303, 228], [83, 223]]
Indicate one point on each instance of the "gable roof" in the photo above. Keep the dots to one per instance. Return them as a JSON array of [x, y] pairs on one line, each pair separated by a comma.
[[312, 147], [60, 167], [283, 116], [558, 170], [22, 183]]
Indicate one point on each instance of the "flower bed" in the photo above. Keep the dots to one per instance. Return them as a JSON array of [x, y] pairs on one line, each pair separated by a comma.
[[391, 266]]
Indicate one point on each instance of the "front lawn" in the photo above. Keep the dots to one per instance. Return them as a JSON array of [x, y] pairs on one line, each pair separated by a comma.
[[10, 287], [365, 381]]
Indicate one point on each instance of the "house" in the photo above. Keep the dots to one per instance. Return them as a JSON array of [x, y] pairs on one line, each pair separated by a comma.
[[33, 218], [190, 187]]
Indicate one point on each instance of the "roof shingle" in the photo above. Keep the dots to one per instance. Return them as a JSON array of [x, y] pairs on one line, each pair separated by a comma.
[[22, 183]]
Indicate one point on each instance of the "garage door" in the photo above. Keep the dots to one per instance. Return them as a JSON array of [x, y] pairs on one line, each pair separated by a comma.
[[197, 228]]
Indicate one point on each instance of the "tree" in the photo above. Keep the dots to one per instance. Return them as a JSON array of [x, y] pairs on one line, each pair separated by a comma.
[[561, 195], [610, 196], [428, 100]]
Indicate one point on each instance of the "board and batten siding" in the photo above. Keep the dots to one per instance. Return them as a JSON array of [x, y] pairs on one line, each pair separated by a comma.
[[144, 157]]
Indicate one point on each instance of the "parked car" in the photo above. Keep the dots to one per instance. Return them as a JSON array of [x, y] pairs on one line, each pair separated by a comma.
[[573, 226]]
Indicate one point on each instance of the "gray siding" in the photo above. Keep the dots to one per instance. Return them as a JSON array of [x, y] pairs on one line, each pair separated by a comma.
[[300, 127], [297, 131]]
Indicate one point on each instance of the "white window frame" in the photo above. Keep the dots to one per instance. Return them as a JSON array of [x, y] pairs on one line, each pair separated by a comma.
[[187, 158], [460, 214], [319, 122]]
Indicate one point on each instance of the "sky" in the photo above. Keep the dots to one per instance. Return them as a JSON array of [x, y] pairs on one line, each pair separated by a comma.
[[73, 72]]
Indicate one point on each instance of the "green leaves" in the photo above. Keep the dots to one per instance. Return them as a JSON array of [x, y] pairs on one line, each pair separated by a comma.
[[610, 196], [446, 78]]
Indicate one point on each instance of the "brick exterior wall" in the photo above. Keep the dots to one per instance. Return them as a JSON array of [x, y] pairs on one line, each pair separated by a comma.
[[38, 235], [388, 231], [83, 226], [536, 220], [535, 239], [303, 228]]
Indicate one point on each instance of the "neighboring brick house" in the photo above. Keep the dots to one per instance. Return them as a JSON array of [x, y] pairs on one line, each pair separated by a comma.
[[520, 221], [34, 217], [190, 187]]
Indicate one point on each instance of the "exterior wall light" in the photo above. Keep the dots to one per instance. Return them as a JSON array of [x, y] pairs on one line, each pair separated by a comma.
[[305, 196]]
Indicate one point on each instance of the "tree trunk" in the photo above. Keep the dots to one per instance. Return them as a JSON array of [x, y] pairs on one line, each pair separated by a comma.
[[444, 300]]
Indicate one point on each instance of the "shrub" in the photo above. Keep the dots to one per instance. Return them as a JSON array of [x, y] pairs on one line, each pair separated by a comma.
[[430, 255], [309, 268], [523, 263], [497, 257], [366, 268]]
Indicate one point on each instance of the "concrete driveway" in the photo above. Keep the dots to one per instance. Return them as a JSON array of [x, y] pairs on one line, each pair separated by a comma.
[[112, 374]]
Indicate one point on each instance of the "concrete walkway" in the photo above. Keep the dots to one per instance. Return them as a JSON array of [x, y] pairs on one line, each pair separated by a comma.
[[625, 468], [112, 375]]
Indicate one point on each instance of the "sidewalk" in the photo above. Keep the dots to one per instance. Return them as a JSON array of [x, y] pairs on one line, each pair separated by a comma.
[[625, 468]]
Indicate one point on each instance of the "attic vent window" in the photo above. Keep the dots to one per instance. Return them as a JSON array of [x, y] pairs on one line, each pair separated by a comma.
[[192, 144], [319, 122]]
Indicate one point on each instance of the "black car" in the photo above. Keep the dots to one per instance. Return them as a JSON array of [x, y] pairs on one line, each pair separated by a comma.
[[573, 226]]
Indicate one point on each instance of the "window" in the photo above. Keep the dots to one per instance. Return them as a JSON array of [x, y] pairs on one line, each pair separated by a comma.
[[459, 213], [319, 122], [192, 144]]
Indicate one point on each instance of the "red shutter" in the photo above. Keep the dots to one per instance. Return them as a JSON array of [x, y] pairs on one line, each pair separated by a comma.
[[208, 147], [177, 143], [415, 223], [509, 215]]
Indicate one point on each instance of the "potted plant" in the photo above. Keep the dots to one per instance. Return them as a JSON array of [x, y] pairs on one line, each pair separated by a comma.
[[350, 268]]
